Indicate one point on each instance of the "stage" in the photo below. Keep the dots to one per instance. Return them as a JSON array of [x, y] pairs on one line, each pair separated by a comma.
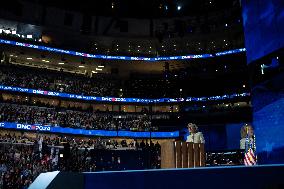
[[241, 177]]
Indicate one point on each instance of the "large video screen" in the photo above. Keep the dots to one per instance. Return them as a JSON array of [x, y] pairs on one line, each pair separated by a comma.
[[263, 26]]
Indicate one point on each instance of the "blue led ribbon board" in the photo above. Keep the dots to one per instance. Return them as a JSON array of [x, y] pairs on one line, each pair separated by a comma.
[[107, 57], [105, 133]]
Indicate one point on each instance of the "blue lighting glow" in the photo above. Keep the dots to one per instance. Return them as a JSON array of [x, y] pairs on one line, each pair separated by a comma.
[[63, 130], [263, 27], [116, 99], [107, 57]]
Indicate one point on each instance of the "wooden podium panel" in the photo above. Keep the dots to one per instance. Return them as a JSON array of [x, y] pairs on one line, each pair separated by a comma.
[[196, 152], [182, 155], [184, 152], [190, 154], [202, 155], [178, 154], [168, 155]]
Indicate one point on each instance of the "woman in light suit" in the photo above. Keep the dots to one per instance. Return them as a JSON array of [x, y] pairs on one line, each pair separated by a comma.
[[247, 135], [194, 135]]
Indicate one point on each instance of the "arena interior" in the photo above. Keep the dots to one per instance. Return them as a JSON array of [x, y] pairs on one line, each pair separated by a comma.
[[141, 94]]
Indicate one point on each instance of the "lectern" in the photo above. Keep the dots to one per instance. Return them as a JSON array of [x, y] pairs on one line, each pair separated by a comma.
[[180, 154]]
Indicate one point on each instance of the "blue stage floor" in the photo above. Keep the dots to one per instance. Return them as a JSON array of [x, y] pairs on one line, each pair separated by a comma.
[[241, 177]]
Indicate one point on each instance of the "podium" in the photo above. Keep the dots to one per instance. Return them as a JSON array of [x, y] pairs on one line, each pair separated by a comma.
[[180, 154]]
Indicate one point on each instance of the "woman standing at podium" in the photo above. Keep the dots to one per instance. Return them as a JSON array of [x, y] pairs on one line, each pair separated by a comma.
[[194, 135]]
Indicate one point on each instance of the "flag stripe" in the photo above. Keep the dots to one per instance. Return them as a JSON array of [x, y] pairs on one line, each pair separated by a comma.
[[250, 158], [246, 162], [251, 155]]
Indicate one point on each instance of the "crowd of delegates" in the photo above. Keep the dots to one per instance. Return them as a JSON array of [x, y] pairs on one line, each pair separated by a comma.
[[74, 119], [22, 158], [81, 143], [18, 167], [108, 85], [44, 79]]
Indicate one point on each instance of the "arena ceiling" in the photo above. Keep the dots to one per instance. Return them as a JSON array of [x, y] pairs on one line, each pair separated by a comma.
[[138, 8]]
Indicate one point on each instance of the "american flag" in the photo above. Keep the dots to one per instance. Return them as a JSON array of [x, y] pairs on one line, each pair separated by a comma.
[[250, 157]]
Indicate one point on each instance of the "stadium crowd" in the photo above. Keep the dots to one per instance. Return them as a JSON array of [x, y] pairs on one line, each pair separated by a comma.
[[43, 79], [74, 119], [23, 158], [108, 85], [79, 142]]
